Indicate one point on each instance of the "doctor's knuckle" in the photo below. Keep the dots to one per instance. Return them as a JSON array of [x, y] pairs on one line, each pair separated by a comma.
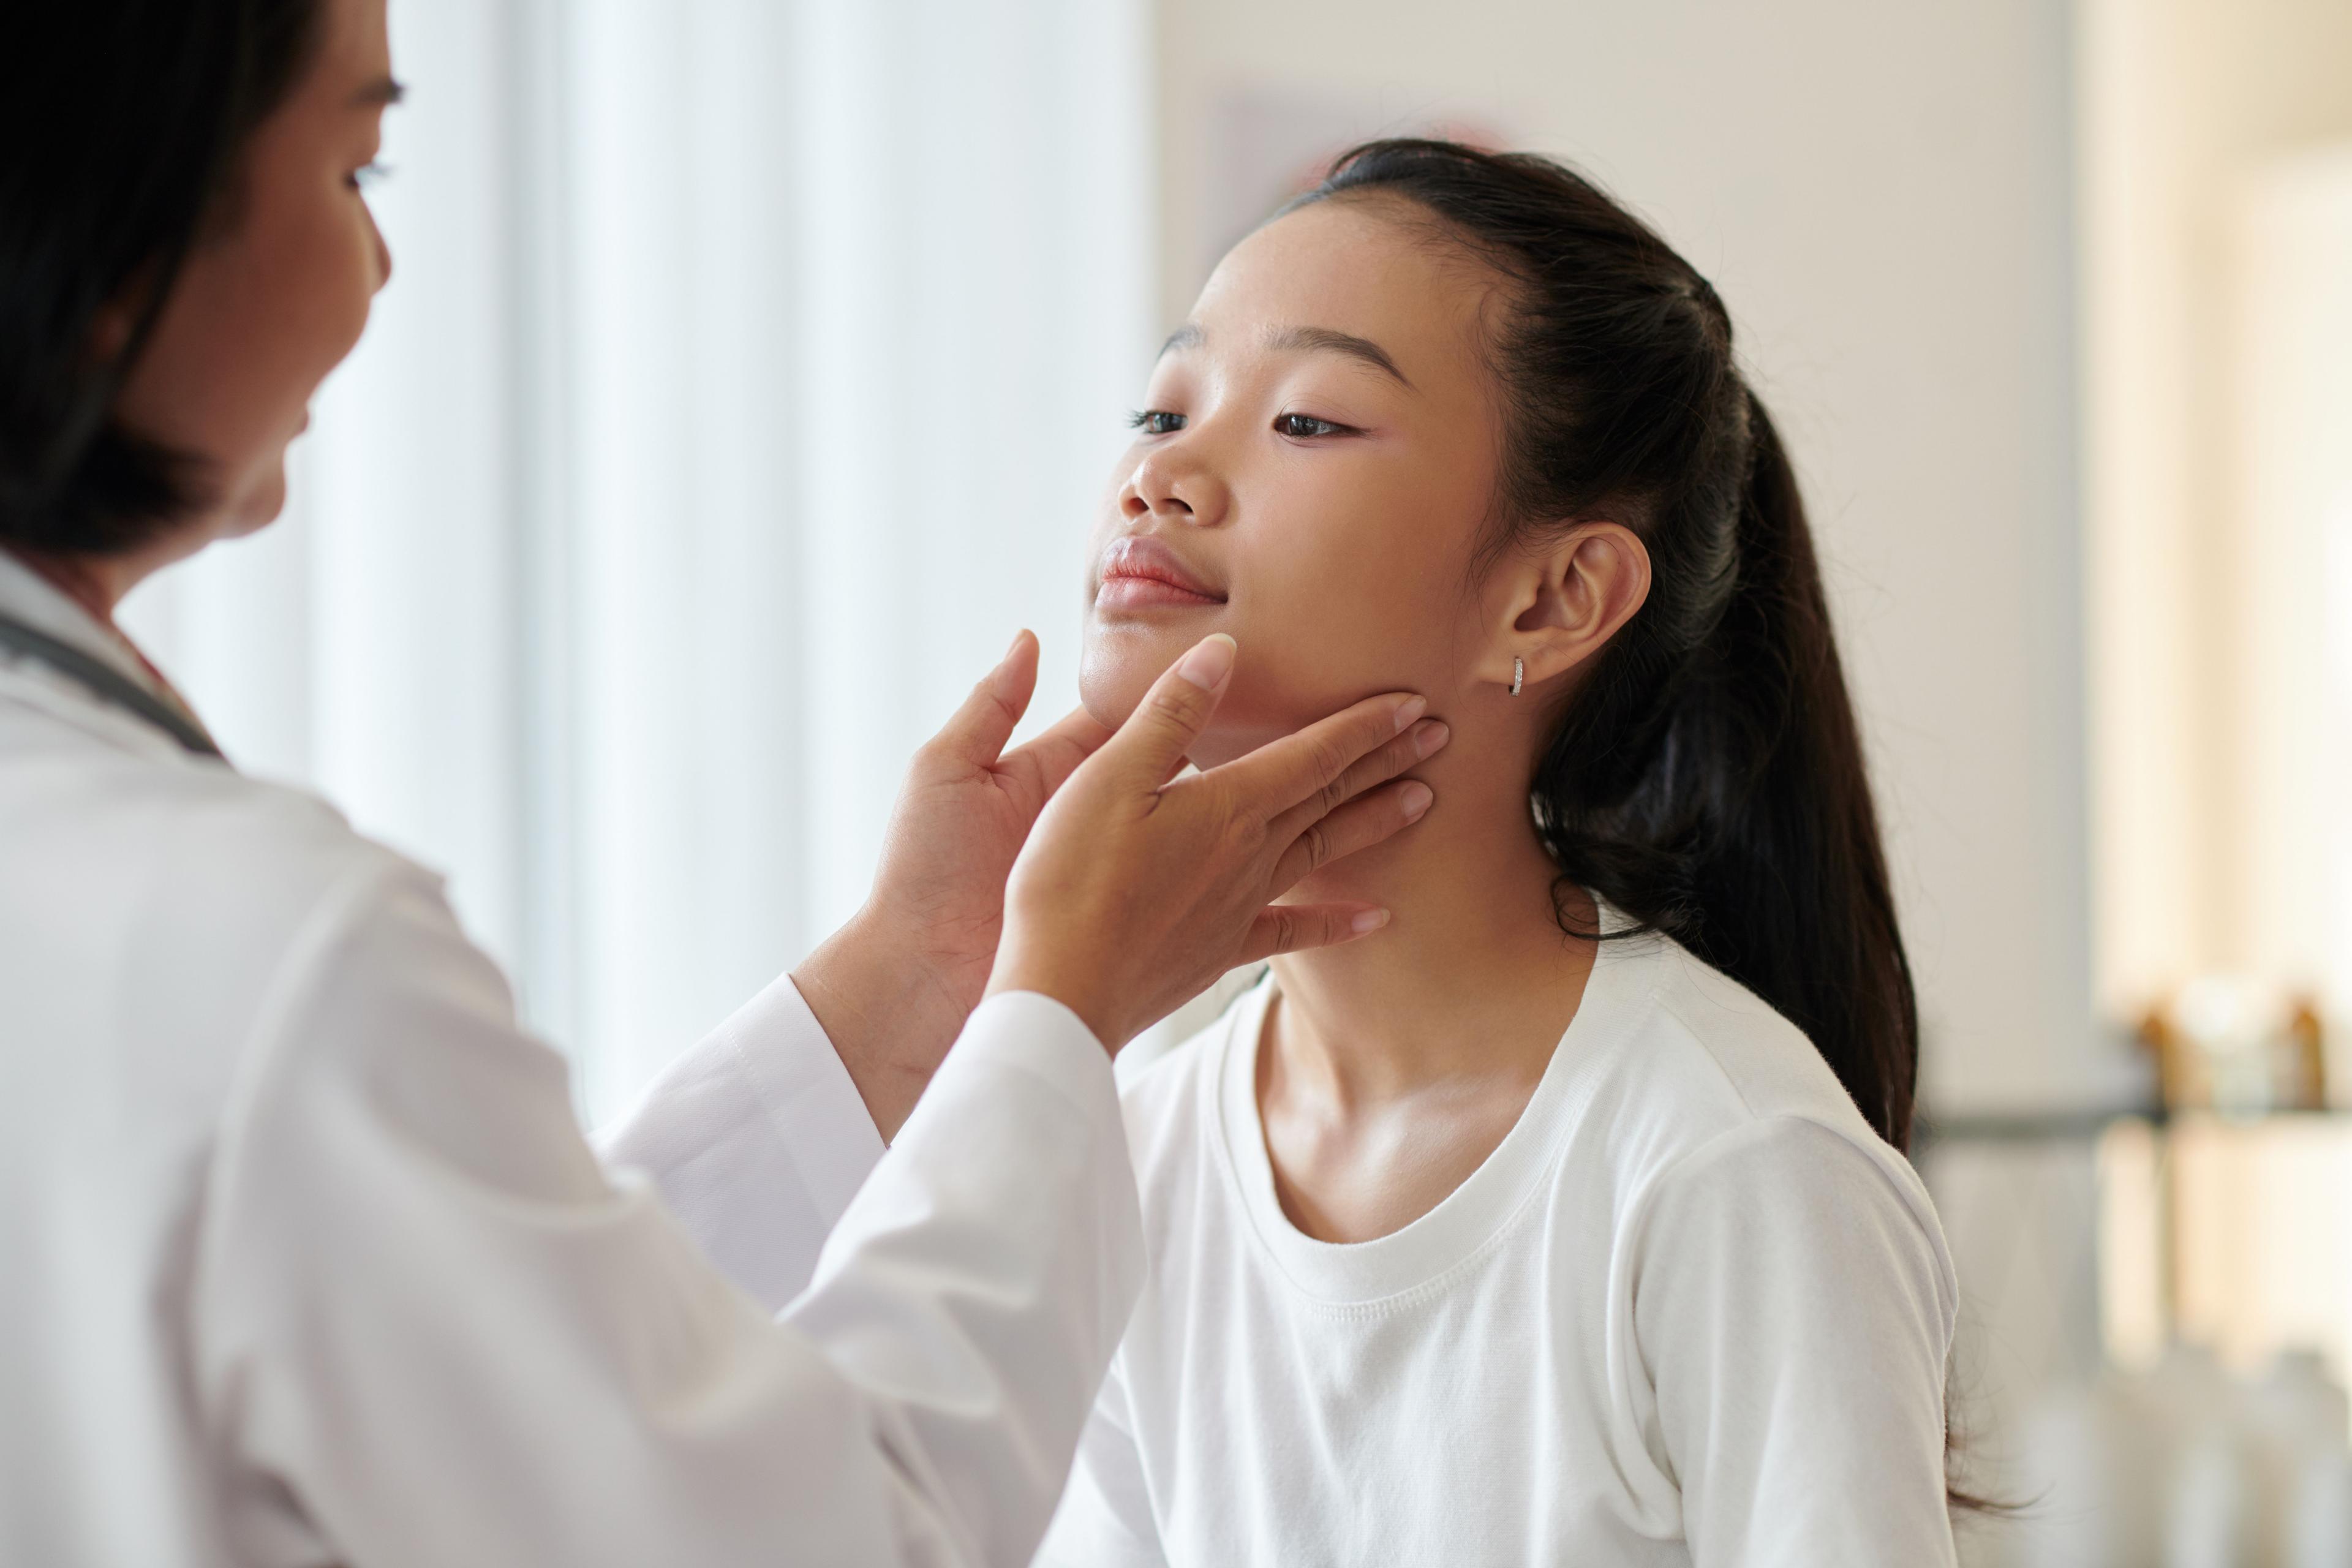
[[1184, 702], [1329, 756], [1333, 796]]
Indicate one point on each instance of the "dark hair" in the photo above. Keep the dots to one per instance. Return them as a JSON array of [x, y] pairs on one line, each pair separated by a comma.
[[1706, 777], [122, 123]]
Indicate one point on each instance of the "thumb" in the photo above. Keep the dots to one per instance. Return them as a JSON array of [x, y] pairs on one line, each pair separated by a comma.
[[1153, 741], [975, 734]]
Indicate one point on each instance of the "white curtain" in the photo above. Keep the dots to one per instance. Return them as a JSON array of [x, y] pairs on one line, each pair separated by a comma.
[[747, 376]]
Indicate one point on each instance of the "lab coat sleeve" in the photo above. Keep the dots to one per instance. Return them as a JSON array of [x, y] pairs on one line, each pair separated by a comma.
[[1793, 1313], [425, 1314], [1104, 1519], [757, 1140]]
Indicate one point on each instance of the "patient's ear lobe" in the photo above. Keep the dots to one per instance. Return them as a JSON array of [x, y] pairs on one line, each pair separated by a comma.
[[1561, 607]]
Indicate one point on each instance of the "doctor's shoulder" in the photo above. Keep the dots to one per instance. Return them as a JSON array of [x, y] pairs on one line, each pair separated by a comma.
[[198, 890], [262, 861]]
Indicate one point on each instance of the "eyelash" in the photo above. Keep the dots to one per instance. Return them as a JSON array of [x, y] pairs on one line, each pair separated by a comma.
[[1160, 422], [371, 174], [1283, 424]]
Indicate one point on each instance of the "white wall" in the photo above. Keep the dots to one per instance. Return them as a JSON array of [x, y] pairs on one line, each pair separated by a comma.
[[2291, 498], [1883, 194], [2215, 275]]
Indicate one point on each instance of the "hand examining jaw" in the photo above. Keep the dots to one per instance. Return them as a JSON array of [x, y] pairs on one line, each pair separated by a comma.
[[893, 987], [1136, 889], [1140, 889]]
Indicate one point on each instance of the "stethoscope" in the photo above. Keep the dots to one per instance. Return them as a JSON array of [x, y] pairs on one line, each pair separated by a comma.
[[106, 683]]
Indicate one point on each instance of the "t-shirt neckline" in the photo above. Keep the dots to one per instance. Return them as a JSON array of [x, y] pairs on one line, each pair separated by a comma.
[[1466, 1220]]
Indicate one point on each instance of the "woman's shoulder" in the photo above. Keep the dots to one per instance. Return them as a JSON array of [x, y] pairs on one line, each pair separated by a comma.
[[1720, 1054], [1713, 1069], [1716, 1118], [184, 875], [263, 860], [224, 839]]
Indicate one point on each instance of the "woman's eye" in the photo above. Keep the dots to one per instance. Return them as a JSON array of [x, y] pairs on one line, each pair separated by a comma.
[[1305, 426], [369, 175], [1156, 421]]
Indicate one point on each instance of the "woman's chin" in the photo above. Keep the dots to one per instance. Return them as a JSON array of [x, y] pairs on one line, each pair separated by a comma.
[[1109, 688], [258, 503], [1112, 682]]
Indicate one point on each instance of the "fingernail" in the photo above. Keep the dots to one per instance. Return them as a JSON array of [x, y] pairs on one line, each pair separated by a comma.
[[1210, 660], [1370, 919], [1415, 797], [1016, 648], [1408, 709], [1430, 736]]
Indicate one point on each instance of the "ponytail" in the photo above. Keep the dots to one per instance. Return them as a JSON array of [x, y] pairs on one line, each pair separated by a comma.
[[1787, 890], [1706, 777]]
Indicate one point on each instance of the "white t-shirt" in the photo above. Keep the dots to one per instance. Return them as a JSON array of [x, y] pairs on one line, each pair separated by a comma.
[[1690, 1310]]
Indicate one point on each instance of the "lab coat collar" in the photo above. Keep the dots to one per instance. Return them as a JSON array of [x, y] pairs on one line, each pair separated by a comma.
[[26, 595]]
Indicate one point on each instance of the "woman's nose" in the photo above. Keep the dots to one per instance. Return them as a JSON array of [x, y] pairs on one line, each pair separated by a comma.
[[1172, 482], [1137, 507], [383, 254]]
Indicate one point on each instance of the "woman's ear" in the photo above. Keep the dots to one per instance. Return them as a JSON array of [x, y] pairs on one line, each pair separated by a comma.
[[1561, 607], [110, 327]]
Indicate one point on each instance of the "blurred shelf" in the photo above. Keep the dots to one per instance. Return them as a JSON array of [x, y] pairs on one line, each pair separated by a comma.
[[2087, 1126]]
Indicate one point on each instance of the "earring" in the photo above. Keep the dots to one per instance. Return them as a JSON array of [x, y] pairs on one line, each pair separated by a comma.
[[1518, 675]]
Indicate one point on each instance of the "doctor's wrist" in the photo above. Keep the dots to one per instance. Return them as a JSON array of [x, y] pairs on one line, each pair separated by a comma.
[[889, 1015], [1067, 983]]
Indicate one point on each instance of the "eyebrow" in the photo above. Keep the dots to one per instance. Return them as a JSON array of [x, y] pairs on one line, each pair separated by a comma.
[[1309, 340], [381, 93], [1323, 340]]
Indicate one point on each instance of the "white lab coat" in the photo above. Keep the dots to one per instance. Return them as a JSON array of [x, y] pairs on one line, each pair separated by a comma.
[[303, 1259]]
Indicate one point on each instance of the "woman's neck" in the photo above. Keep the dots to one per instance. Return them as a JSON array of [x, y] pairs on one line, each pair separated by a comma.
[[1472, 977], [98, 584], [90, 580], [98, 581]]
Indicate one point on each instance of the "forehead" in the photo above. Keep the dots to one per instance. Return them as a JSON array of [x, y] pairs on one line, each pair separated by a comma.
[[353, 47], [1372, 268]]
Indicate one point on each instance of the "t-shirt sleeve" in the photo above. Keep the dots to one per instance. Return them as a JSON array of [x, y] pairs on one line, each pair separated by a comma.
[[1106, 1520], [1793, 1311]]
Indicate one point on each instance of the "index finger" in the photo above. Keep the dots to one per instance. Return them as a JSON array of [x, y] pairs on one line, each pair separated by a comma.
[[976, 732], [1048, 760], [1283, 773]]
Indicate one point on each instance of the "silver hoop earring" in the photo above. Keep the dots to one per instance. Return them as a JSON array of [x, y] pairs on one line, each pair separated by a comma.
[[1518, 675]]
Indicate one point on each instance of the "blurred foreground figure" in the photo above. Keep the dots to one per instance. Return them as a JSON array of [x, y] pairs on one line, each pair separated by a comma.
[[302, 1256]]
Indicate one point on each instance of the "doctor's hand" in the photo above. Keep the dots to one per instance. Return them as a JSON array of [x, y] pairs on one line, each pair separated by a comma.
[[893, 987], [1138, 889]]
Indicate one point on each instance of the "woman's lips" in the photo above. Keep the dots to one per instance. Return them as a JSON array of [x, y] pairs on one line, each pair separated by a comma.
[[1139, 573], [1147, 592]]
